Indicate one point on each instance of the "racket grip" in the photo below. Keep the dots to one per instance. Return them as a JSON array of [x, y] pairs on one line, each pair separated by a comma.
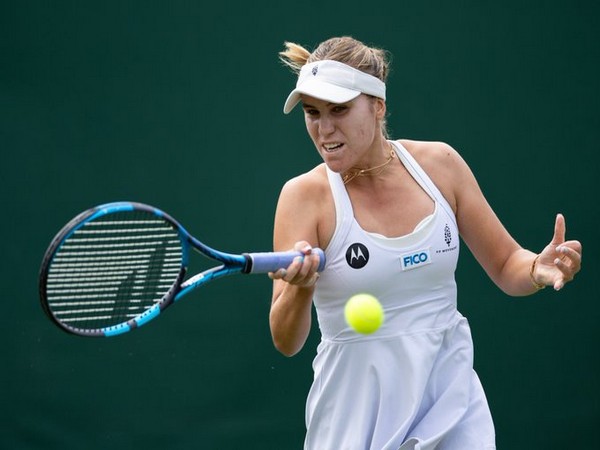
[[273, 261]]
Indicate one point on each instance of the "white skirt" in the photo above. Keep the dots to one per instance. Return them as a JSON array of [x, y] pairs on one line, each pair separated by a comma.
[[413, 391]]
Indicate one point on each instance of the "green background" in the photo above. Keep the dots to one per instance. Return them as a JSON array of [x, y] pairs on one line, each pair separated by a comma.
[[179, 105]]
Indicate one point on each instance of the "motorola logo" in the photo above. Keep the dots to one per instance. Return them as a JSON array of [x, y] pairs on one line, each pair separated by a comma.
[[357, 256]]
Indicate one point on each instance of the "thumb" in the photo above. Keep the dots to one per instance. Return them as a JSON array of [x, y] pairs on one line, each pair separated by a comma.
[[559, 230], [303, 246]]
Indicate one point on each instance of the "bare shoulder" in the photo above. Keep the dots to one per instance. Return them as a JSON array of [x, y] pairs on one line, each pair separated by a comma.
[[443, 164], [308, 187], [305, 210], [432, 155]]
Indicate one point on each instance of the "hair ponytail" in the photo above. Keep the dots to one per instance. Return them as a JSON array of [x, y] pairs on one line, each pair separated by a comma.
[[294, 56]]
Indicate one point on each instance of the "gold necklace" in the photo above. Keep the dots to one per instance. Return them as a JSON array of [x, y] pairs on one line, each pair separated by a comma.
[[373, 171]]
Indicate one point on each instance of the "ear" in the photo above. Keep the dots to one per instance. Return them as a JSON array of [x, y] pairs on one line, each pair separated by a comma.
[[380, 108]]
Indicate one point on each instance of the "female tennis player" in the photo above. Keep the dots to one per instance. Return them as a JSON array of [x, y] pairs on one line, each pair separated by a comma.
[[389, 214]]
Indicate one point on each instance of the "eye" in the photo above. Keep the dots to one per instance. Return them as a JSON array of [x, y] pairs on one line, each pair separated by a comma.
[[313, 112], [339, 109]]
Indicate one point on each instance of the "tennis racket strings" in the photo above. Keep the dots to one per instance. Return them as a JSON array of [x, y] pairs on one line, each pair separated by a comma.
[[114, 268]]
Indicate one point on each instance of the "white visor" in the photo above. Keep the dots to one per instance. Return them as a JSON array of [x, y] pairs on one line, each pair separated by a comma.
[[334, 82]]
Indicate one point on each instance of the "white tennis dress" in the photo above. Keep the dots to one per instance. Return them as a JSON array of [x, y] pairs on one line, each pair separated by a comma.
[[411, 384]]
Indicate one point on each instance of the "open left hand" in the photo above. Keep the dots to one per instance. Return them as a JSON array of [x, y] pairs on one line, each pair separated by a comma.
[[560, 260]]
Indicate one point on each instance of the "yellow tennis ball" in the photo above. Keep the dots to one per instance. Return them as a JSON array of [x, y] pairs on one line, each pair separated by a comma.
[[364, 313]]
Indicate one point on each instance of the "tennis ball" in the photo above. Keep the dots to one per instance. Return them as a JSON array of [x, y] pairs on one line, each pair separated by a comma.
[[363, 313]]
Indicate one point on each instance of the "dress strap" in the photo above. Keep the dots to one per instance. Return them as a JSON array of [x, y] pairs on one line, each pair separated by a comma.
[[421, 177], [344, 214]]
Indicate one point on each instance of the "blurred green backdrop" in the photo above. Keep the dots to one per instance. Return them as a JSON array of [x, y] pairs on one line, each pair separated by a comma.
[[178, 104]]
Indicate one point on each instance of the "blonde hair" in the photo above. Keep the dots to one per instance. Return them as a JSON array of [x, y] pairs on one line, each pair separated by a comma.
[[345, 49]]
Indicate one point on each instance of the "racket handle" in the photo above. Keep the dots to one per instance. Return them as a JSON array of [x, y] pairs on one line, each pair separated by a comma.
[[272, 261]]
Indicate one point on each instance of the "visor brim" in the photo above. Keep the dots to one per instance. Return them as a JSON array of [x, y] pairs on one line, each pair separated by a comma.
[[321, 90]]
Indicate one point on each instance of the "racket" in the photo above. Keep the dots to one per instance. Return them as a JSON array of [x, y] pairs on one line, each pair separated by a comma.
[[115, 267]]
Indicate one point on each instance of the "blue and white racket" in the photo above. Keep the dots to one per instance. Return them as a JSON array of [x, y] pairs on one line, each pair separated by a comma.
[[117, 266]]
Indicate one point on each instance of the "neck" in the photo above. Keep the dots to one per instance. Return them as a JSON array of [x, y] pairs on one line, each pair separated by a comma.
[[355, 172]]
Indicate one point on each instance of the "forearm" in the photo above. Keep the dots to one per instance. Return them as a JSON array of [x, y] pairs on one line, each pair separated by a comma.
[[290, 318], [515, 277]]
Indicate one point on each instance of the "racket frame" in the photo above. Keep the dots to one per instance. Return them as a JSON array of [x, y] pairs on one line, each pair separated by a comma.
[[245, 263]]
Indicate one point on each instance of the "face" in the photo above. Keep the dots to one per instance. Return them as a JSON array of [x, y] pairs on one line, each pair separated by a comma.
[[346, 134]]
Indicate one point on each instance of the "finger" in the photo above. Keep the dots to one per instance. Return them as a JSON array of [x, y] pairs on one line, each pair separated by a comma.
[[567, 252], [568, 268], [573, 246], [302, 266], [559, 284], [308, 275], [303, 246], [568, 262], [303, 270], [316, 261], [307, 249], [565, 268], [313, 280], [559, 230], [280, 274], [297, 270], [310, 264]]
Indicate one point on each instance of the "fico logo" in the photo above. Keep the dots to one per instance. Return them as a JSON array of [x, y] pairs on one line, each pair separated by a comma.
[[415, 260]]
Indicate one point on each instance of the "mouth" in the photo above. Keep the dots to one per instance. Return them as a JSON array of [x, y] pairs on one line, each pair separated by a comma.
[[332, 147]]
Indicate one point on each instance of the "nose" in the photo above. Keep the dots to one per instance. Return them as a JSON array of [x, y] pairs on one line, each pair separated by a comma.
[[326, 125]]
